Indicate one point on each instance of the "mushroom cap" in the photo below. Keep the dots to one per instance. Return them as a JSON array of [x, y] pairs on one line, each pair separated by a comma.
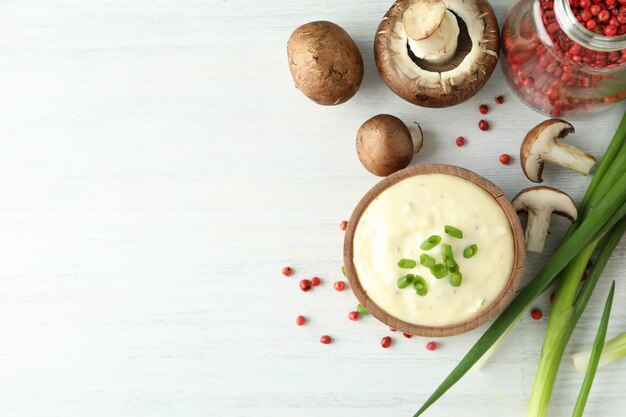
[[325, 63], [547, 198], [384, 145], [439, 85], [540, 138]]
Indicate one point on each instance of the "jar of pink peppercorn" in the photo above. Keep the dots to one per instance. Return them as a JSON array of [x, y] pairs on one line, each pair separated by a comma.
[[566, 58]]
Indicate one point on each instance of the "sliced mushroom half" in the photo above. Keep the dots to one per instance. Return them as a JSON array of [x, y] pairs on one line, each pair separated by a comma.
[[437, 53], [544, 143], [541, 203]]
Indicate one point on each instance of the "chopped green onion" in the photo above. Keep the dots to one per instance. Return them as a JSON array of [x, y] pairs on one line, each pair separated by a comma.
[[405, 281], [407, 263], [446, 251], [421, 288], [361, 310], [614, 349], [453, 231], [470, 251], [455, 279], [427, 260], [439, 271], [430, 243], [343, 271], [451, 265], [594, 358]]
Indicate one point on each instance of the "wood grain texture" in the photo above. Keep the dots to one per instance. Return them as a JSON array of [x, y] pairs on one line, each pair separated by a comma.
[[159, 168], [491, 311]]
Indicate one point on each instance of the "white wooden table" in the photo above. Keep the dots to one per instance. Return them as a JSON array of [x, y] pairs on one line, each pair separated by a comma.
[[157, 170]]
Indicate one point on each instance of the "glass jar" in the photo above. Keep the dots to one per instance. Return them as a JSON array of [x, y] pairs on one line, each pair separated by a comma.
[[559, 67]]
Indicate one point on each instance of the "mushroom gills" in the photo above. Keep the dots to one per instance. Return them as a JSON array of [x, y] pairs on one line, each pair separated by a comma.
[[463, 47]]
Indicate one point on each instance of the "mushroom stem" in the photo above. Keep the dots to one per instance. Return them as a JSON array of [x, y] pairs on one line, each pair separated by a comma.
[[537, 230], [417, 136], [432, 31], [570, 157]]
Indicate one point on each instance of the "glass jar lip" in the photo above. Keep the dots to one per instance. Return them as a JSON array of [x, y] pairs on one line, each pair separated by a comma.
[[581, 35]]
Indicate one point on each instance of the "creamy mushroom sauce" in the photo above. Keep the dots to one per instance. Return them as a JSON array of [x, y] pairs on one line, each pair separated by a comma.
[[394, 225]]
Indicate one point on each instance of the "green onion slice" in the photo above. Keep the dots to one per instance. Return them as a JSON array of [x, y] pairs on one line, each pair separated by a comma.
[[343, 271], [453, 231], [430, 243], [361, 310], [427, 260], [421, 288], [470, 251], [405, 281], [455, 279], [407, 263], [446, 251], [451, 265], [439, 271]]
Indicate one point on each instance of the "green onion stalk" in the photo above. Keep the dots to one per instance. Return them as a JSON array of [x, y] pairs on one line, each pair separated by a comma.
[[614, 349], [601, 212]]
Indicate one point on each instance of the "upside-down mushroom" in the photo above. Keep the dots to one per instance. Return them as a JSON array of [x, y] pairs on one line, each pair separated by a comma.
[[545, 143], [385, 144], [540, 203], [437, 53]]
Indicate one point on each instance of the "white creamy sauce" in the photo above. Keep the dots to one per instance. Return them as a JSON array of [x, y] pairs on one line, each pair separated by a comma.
[[395, 224]]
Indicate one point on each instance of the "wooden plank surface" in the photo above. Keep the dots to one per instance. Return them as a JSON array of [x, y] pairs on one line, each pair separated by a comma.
[[158, 168]]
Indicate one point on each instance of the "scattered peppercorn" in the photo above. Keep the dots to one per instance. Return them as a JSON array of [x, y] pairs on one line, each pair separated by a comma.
[[343, 225], [339, 285], [325, 339], [536, 314], [431, 345], [483, 108], [499, 99], [392, 329], [385, 342], [460, 141], [483, 125], [407, 335], [300, 320], [505, 159], [305, 285], [287, 271], [315, 281], [353, 315]]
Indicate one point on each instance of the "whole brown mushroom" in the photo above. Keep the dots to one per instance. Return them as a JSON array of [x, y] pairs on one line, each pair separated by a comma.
[[385, 144], [437, 53], [325, 63]]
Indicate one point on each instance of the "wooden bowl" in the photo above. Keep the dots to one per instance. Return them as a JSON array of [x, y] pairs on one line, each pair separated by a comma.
[[492, 310]]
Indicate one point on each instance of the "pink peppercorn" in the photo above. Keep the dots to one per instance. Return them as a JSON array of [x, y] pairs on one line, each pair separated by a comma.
[[325, 339], [286, 271], [385, 342], [315, 281], [305, 285], [343, 225], [536, 314], [300, 320], [431, 345], [460, 141], [339, 285], [353, 315], [483, 125]]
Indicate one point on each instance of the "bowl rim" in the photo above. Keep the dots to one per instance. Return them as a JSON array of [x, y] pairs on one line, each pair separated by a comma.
[[505, 296]]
